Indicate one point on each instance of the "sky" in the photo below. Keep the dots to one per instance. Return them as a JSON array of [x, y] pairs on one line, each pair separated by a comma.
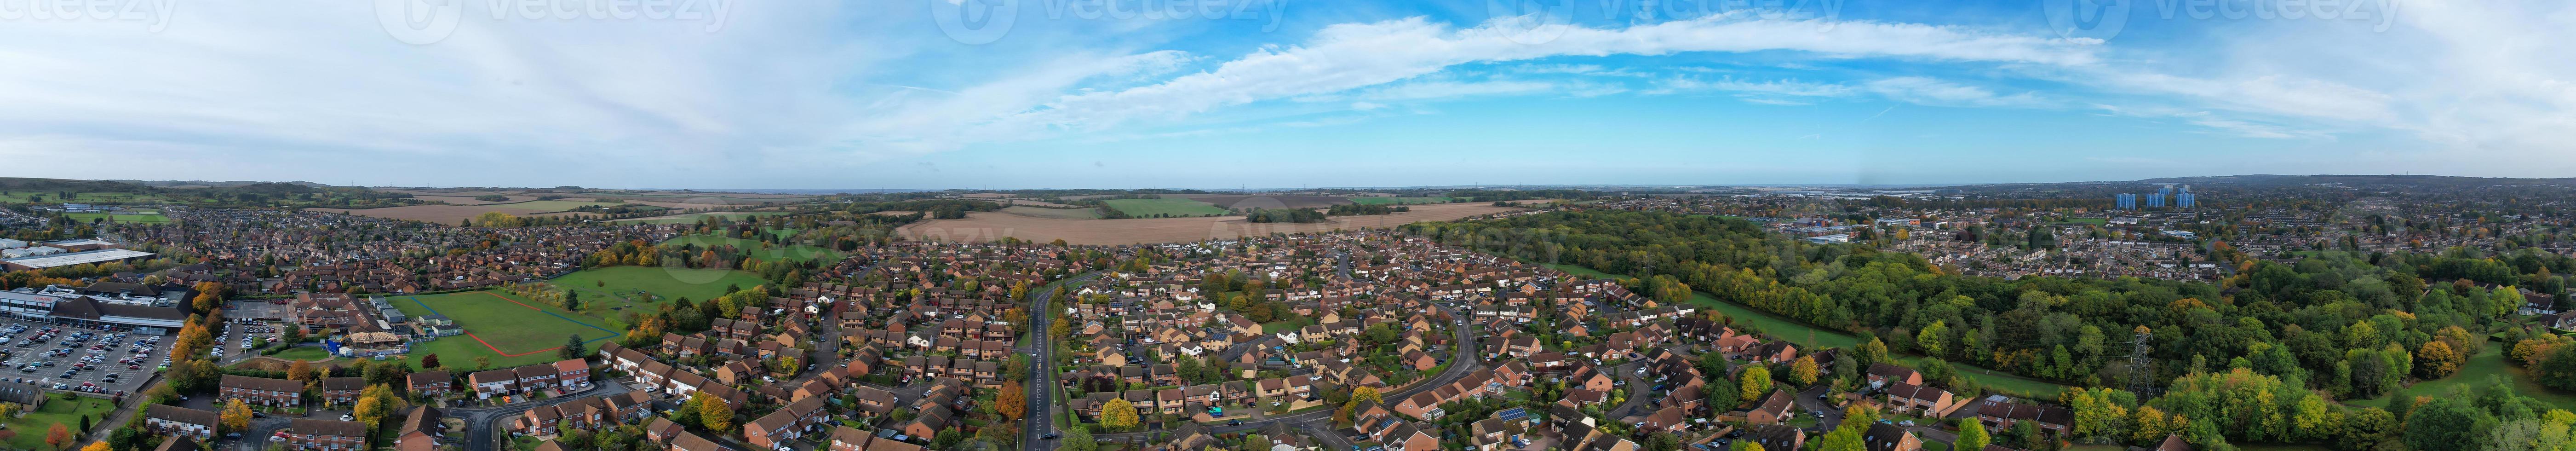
[[1002, 94]]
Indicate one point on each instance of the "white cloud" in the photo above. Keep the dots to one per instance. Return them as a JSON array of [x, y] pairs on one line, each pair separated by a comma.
[[1927, 91]]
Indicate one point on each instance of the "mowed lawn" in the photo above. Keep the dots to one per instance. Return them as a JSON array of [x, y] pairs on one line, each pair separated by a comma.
[[146, 219], [757, 250], [1402, 200], [1174, 207], [511, 331], [668, 283], [2488, 363], [32, 427]]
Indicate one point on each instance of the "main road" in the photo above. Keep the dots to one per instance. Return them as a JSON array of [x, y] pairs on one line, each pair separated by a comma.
[[1040, 418]]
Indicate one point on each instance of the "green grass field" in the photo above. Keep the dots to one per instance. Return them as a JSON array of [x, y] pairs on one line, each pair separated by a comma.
[[510, 330], [693, 218], [554, 205], [144, 219], [1146, 208], [2093, 221], [31, 428], [758, 250], [303, 353], [2489, 362], [669, 283], [1402, 200]]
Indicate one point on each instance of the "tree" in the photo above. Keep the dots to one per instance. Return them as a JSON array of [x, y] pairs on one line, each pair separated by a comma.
[[2447, 424], [1753, 381], [1745, 445], [572, 348], [301, 371], [2436, 360], [1076, 437], [98, 446], [482, 361], [1012, 402], [1972, 435], [58, 437], [1802, 372], [713, 413], [429, 361], [1930, 339], [236, 416], [1117, 414], [376, 404]]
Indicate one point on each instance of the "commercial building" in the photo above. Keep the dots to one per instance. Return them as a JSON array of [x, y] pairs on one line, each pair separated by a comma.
[[36, 262]]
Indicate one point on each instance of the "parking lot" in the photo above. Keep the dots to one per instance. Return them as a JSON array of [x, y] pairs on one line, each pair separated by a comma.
[[114, 361]]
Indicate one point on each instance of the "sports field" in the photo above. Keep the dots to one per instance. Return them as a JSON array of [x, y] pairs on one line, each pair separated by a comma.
[[693, 218], [510, 330], [1402, 200], [597, 286], [118, 217], [758, 250], [1149, 208]]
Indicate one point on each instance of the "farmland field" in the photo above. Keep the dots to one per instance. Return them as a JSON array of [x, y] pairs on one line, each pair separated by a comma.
[[146, 219], [1147, 208], [510, 330], [555, 205], [1057, 213], [694, 217], [990, 226], [1402, 200], [1237, 202], [757, 250]]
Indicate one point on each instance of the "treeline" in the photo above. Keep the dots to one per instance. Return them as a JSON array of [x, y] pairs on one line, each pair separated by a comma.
[[1475, 195], [2351, 327], [936, 208], [1297, 215], [1364, 209]]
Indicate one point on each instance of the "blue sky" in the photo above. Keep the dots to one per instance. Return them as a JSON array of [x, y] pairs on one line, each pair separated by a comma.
[[1274, 93]]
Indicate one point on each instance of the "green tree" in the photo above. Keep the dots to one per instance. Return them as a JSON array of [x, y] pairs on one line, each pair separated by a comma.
[[1931, 339], [572, 348], [1972, 436], [1753, 382]]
